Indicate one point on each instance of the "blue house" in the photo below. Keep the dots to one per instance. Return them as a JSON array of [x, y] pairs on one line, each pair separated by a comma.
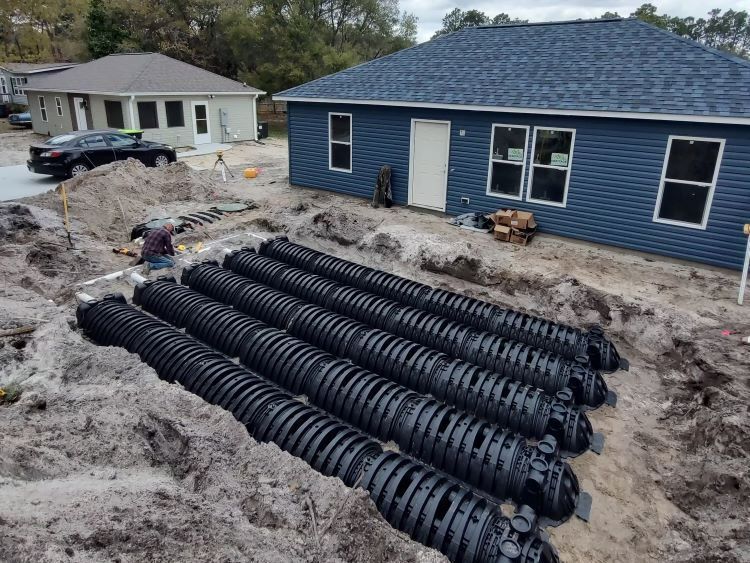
[[611, 131]]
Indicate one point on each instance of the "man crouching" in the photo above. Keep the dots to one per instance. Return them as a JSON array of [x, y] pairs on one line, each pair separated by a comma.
[[157, 249]]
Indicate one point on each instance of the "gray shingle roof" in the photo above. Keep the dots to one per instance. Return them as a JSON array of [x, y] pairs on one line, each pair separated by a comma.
[[22, 68], [138, 73], [621, 65]]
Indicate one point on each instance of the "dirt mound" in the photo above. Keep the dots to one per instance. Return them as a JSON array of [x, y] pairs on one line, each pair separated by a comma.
[[338, 225], [17, 223], [107, 201], [709, 414]]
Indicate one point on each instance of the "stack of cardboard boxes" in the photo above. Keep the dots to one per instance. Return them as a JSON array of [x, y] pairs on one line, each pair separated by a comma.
[[514, 226]]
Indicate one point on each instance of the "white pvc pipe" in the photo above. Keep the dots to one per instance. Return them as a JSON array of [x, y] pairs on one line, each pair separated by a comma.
[[743, 283], [84, 297], [137, 278], [115, 275]]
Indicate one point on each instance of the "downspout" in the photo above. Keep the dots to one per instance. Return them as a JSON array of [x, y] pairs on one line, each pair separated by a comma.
[[255, 115], [131, 101]]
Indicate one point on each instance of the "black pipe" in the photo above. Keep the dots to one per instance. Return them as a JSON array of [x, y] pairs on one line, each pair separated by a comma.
[[531, 366], [593, 347], [483, 455], [411, 497], [501, 400]]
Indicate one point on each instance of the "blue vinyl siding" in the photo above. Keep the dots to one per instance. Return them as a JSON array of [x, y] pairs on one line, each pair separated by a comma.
[[614, 182]]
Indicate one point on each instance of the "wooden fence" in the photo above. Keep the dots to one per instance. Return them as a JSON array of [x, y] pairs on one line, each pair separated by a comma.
[[268, 106]]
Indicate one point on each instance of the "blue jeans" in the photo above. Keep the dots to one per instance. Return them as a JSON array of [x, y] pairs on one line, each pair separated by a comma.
[[159, 261]]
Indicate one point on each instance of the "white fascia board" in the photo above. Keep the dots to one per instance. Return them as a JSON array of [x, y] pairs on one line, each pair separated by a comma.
[[45, 69], [538, 111], [35, 89]]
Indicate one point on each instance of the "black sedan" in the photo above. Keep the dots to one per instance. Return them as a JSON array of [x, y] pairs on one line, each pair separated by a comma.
[[73, 154]]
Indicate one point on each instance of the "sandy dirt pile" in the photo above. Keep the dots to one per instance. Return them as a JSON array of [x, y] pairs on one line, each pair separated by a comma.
[[104, 461], [36, 254], [106, 202]]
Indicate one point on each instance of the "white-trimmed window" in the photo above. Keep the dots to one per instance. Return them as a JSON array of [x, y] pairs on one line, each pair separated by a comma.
[[340, 142], [688, 180], [507, 160], [58, 104], [3, 86], [43, 108], [552, 156], [17, 83]]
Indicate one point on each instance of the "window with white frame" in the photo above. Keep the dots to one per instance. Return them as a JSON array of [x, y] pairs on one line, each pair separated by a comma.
[[58, 104], [340, 141], [17, 84], [552, 157], [43, 108], [3, 86], [507, 160], [688, 179]]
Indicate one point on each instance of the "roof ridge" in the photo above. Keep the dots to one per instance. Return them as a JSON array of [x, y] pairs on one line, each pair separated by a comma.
[[693, 43], [204, 70], [555, 22], [370, 61], [137, 76]]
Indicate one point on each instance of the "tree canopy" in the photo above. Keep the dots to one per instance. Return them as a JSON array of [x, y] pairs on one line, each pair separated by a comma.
[[727, 31], [272, 44], [458, 19]]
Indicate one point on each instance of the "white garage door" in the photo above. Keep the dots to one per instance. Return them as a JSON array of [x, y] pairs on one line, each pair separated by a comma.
[[428, 165]]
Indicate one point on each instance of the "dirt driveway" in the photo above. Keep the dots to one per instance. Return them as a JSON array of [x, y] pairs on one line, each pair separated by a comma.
[[14, 146]]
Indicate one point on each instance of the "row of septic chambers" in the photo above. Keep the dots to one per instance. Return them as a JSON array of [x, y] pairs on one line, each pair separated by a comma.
[[337, 359]]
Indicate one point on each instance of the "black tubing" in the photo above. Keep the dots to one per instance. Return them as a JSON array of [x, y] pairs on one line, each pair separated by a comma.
[[477, 452], [565, 340], [532, 366], [268, 413], [431, 508], [508, 403]]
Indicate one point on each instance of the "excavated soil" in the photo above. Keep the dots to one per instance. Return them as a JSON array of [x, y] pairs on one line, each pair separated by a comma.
[[100, 460]]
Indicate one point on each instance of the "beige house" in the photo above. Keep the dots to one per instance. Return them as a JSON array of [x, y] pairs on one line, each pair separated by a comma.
[[171, 101]]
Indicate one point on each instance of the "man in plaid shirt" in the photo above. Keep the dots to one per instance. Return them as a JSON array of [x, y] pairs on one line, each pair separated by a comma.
[[157, 249]]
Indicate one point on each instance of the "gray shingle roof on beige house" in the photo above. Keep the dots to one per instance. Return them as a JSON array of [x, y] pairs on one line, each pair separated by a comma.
[[31, 68], [140, 73]]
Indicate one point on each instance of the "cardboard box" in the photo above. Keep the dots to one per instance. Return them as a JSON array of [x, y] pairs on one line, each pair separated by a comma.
[[523, 220], [503, 216], [502, 232], [520, 237]]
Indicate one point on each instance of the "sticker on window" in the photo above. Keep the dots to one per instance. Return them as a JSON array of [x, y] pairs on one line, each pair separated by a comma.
[[515, 154], [559, 159]]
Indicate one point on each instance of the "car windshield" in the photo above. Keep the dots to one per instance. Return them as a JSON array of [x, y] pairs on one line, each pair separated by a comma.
[[60, 140]]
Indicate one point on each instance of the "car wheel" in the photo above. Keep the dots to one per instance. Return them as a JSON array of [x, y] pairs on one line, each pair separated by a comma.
[[77, 169], [160, 160]]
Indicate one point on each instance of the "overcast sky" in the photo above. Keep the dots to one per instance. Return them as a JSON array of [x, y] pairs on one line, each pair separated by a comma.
[[431, 12]]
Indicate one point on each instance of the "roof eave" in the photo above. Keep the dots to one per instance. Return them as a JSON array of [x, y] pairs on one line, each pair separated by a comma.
[[33, 88], [652, 116]]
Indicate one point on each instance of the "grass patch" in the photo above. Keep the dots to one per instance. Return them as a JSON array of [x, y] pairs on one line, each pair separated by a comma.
[[277, 129], [10, 394]]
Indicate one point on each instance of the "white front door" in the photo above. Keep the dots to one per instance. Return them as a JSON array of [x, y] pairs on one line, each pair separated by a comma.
[[80, 107], [428, 163], [201, 125]]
